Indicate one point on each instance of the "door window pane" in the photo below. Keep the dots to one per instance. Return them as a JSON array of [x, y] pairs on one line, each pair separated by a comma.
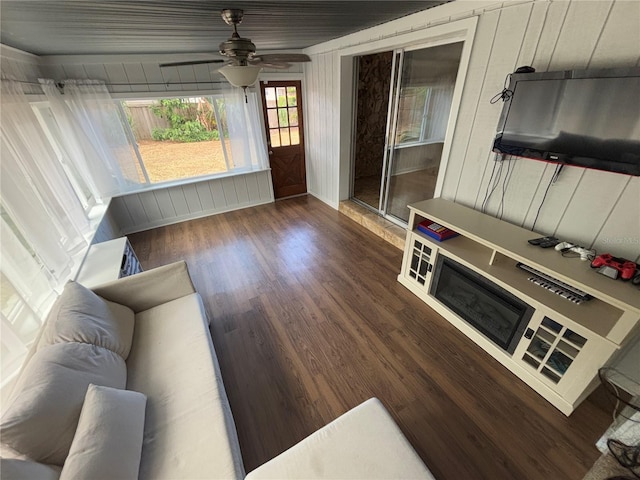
[[283, 117], [295, 136], [273, 118], [292, 99], [293, 117], [274, 135], [281, 93], [285, 137], [270, 97]]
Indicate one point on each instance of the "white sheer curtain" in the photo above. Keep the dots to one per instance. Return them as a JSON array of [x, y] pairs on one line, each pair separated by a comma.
[[35, 192], [440, 98], [248, 148], [26, 296], [94, 138], [42, 225]]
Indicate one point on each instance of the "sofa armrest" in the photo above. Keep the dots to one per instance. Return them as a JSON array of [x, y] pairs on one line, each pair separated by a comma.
[[365, 442], [148, 289]]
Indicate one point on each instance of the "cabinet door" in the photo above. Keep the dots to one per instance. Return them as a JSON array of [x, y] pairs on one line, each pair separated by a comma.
[[419, 256], [553, 349], [564, 356]]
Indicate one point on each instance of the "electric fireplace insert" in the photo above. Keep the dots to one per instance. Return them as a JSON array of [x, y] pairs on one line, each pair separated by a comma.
[[490, 309]]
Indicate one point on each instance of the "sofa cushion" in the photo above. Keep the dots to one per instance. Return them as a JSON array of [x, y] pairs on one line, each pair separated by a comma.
[[79, 315], [365, 442], [15, 469], [108, 440], [189, 429], [43, 409]]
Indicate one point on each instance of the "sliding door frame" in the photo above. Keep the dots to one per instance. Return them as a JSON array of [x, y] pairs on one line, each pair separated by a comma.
[[460, 31], [392, 121]]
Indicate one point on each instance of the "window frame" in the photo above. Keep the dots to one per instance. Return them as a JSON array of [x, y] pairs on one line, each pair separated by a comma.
[[150, 186]]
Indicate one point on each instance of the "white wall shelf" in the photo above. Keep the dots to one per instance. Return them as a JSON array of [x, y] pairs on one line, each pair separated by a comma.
[[567, 342]]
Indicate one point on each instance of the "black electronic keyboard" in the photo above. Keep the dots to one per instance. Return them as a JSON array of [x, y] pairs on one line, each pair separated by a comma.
[[554, 285]]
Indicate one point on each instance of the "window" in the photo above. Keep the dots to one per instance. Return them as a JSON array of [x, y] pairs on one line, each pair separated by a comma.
[[282, 114], [412, 115], [180, 138], [423, 114]]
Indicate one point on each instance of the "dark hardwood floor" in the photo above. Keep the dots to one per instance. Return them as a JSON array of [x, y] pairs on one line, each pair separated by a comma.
[[308, 320]]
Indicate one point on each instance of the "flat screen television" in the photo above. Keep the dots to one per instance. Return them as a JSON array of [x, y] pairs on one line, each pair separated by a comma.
[[585, 118]]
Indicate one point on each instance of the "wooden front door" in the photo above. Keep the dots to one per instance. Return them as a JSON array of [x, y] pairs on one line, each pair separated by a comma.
[[282, 105]]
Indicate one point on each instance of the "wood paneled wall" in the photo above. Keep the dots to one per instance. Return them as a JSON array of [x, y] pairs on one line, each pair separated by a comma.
[[593, 208], [163, 206]]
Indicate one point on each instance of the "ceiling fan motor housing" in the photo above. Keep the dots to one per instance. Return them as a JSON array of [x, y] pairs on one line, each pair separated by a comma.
[[237, 47]]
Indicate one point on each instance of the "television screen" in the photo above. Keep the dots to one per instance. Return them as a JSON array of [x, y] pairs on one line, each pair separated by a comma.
[[586, 119]]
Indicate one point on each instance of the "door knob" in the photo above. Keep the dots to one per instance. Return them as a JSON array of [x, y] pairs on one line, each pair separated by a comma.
[[270, 152]]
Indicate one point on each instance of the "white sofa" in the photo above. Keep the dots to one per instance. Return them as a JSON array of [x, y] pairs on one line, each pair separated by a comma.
[[123, 382]]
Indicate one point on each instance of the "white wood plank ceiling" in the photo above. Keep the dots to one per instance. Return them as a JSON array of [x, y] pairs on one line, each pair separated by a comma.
[[66, 27]]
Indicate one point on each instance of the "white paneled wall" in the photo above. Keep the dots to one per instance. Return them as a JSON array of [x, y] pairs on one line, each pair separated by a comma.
[[322, 127], [164, 206], [22, 66], [139, 74], [596, 209]]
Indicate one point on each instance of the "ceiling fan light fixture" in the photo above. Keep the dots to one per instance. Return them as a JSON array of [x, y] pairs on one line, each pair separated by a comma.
[[242, 76]]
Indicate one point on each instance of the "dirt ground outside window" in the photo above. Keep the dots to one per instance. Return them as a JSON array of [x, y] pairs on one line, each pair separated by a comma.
[[167, 160]]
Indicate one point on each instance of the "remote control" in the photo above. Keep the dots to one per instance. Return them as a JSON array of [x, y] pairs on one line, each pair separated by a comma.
[[538, 241], [549, 243]]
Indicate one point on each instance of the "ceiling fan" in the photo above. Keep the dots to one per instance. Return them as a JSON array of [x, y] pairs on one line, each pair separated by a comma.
[[243, 65]]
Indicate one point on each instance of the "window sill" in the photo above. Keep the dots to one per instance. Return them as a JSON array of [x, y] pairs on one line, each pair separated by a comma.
[[189, 181]]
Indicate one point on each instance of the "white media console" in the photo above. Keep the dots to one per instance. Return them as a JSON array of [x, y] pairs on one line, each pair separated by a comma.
[[563, 344]]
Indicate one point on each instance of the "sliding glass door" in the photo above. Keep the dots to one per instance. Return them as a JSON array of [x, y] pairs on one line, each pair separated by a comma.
[[419, 102]]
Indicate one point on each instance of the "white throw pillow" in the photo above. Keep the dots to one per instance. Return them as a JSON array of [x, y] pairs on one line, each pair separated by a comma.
[[79, 315], [43, 410], [15, 469], [108, 441]]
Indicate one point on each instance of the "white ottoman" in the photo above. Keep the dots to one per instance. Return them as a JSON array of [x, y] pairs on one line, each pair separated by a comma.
[[364, 443]]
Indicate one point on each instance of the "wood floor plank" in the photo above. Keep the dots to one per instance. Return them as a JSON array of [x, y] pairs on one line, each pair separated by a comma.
[[308, 320]]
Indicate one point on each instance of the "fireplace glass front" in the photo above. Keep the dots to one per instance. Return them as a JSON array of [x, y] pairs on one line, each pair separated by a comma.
[[490, 309]]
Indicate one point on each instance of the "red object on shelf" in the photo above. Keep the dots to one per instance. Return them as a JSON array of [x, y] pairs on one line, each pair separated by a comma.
[[435, 230]]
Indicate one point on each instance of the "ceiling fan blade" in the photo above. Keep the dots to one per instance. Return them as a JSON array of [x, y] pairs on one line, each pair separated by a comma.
[[278, 65], [193, 62], [282, 58]]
